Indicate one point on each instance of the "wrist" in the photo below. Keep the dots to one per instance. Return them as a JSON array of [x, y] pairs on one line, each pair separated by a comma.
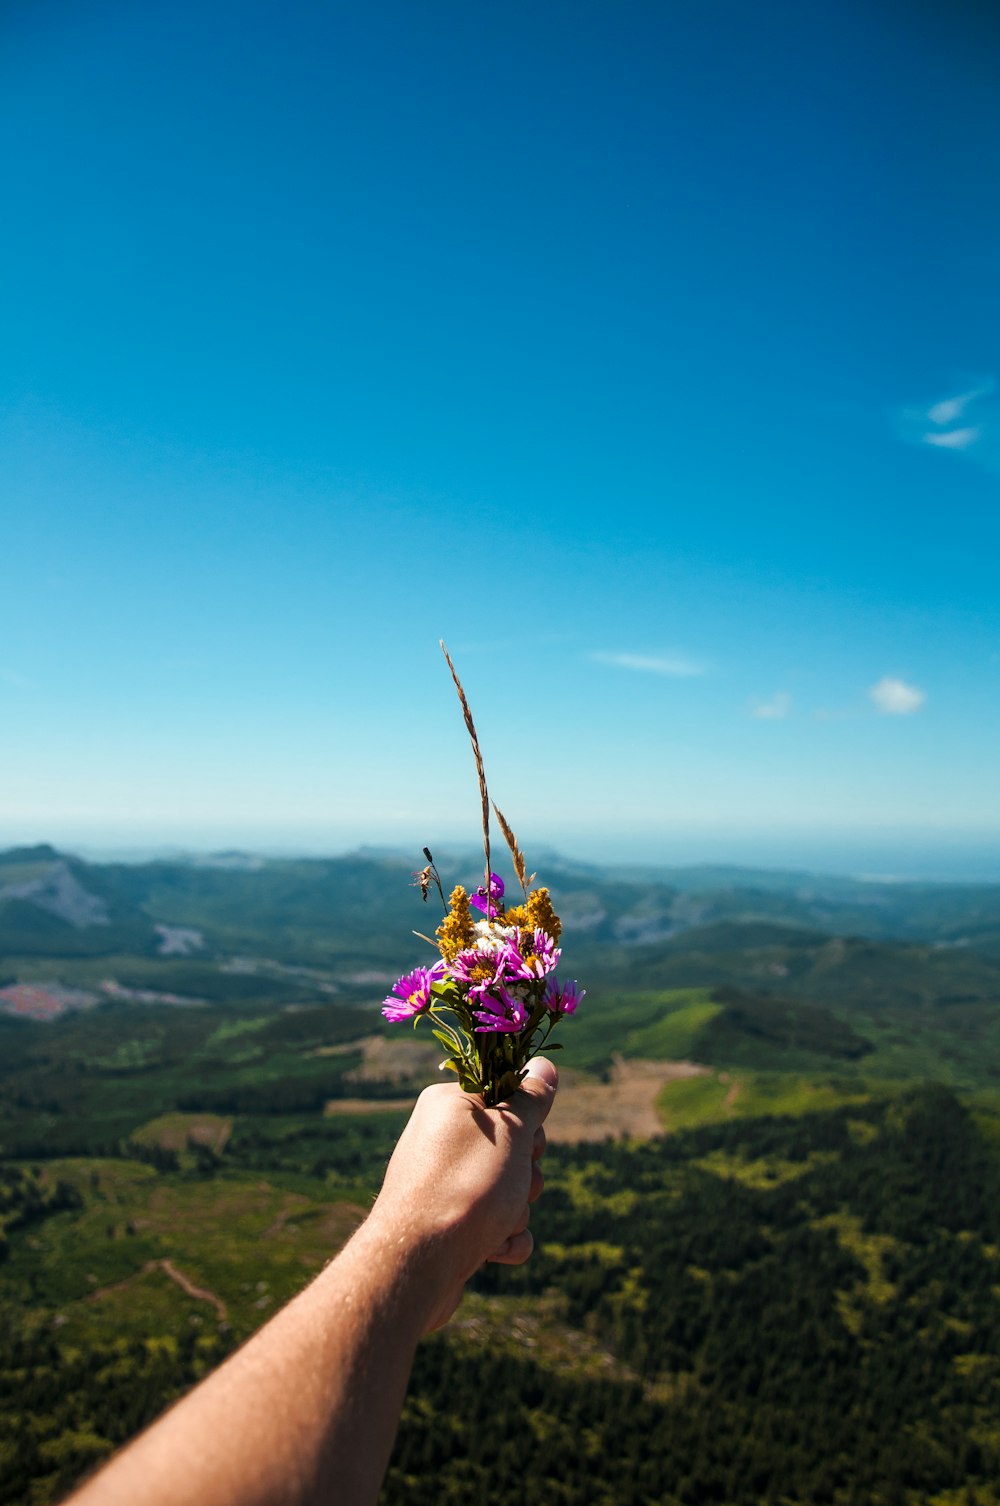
[[398, 1269]]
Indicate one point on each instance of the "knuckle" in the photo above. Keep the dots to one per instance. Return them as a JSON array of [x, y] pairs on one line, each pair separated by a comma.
[[524, 1246]]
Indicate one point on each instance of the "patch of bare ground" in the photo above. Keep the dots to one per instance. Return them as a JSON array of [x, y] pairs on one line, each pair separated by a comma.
[[335, 1106], [175, 1131], [504, 1323], [512, 1326], [626, 1105], [215, 1135], [585, 1109], [401, 1058]]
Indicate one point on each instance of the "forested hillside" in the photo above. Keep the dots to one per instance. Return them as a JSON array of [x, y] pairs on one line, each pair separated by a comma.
[[785, 1312], [767, 1264], [799, 1309]]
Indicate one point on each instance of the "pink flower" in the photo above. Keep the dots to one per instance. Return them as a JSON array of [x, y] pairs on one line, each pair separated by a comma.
[[541, 960], [562, 998], [485, 976], [481, 970], [411, 995], [500, 1011]]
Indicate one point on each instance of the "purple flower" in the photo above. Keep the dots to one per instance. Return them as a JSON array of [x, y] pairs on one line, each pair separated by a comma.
[[479, 900], [562, 998], [481, 970], [412, 994], [500, 1011], [484, 974], [540, 961]]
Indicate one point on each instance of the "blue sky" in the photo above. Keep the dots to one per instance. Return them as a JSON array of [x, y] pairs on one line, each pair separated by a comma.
[[648, 354]]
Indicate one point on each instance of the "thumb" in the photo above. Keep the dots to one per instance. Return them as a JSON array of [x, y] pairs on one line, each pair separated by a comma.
[[533, 1099]]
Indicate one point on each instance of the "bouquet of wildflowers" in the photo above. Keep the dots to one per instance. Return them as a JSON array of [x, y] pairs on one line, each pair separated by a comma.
[[492, 997]]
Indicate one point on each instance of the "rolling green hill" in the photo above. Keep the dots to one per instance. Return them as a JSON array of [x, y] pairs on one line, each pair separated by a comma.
[[362, 905], [850, 972]]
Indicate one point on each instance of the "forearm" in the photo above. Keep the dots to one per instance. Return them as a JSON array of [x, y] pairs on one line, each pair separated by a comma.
[[306, 1412]]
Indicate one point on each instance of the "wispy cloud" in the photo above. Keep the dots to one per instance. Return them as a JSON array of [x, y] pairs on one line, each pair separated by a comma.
[[774, 710], [949, 410], [966, 421], [11, 677], [675, 665], [955, 439], [895, 698]]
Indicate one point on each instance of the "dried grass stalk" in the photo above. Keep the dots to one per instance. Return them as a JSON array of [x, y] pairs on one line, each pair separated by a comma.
[[471, 726], [520, 867]]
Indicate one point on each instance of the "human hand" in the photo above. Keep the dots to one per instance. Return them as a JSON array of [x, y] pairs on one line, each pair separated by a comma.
[[307, 1410], [458, 1189]]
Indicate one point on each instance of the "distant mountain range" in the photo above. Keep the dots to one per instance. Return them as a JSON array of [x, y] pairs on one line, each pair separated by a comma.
[[362, 898], [829, 940]]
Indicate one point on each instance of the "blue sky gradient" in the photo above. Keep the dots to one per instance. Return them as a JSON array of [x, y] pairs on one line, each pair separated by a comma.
[[647, 354]]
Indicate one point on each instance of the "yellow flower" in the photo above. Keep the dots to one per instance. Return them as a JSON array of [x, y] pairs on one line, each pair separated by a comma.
[[456, 932], [542, 915]]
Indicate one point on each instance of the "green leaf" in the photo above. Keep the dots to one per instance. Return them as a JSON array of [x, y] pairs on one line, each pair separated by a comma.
[[508, 1084], [468, 1078], [446, 1041]]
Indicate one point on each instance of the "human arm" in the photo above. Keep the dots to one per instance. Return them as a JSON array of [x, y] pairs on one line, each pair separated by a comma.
[[306, 1412]]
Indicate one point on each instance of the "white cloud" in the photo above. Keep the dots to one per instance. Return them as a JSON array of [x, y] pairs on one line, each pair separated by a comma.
[[676, 665], [895, 698], [951, 408], [774, 710], [955, 439], [966, 421]]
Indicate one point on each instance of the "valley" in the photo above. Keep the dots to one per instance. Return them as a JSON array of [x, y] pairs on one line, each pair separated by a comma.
[[768, 1239]]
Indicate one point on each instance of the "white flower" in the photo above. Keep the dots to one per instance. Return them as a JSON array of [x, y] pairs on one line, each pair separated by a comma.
[[493, 938]]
